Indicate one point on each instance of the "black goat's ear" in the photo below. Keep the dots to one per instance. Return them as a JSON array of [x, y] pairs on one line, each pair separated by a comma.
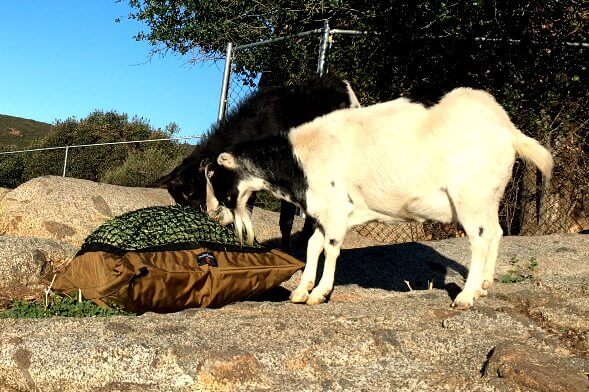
[[162, 182], [227, 160]]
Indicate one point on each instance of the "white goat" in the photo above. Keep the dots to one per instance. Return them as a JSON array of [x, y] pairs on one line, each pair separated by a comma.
[[391, 162]]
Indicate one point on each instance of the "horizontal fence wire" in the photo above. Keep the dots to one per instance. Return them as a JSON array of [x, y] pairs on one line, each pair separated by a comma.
[[98, 144], [92, 161]]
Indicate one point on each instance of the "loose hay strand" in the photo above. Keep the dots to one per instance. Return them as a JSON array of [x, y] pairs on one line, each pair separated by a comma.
[[49, 290]]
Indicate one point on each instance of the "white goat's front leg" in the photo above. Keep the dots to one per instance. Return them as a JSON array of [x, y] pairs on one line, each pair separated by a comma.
[[334, 225], [331, 248], [314, 249]]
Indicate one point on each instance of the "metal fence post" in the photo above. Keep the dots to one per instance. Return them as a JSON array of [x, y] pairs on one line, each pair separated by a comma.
[[323, 48], [225, 86], [67, 148]]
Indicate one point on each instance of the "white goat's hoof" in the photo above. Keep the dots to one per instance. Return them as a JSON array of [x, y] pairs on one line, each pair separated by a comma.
[[487, 284], [317, 296], [299, 296], [464, 300], [316, 299], [481, 293]]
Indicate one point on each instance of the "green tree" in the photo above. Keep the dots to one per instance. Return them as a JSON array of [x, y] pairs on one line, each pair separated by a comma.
[[88, 162], [422, 48], [520, 51]]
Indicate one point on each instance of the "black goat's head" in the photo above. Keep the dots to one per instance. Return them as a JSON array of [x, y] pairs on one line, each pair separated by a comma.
[[228, 188], [186, 183]]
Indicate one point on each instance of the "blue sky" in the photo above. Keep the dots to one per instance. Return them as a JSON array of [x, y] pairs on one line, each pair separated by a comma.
[[66, 58]]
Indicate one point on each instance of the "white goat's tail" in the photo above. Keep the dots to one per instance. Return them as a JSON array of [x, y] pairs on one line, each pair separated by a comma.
[[533, 152]]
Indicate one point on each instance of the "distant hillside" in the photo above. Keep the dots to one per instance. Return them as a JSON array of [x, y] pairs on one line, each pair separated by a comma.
[[17, 131]]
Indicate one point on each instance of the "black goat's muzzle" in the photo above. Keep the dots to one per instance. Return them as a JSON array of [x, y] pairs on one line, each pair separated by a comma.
[[222, 214]]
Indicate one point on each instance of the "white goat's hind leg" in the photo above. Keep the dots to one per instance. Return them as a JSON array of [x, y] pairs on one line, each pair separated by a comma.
[[481, 231], [335, 230], [332, 249], [489, 270], [474, 281], [314, 249]]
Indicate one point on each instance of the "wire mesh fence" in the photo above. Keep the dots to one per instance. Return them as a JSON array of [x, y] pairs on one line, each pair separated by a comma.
[[239, 88], [246, 78]]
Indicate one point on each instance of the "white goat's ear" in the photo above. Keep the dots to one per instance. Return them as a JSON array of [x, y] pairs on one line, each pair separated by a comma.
[[227, 160]]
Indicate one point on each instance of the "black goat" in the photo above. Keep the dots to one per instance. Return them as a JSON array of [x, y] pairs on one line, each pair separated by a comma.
[[268, 111]]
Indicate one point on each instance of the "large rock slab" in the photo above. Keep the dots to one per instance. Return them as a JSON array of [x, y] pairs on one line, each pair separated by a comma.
[[22, 261], [68, 209], [375, 334], [524, 365]]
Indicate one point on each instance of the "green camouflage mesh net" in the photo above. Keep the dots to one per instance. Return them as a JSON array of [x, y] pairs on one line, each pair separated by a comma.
[[160, 227]]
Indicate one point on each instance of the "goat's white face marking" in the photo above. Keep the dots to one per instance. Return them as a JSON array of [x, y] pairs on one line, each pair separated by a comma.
[[211, 200], [215, 210], [224, 216]]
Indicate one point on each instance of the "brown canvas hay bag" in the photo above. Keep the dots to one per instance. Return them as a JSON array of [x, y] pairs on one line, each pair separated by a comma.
[[170, 281], [169, 258]]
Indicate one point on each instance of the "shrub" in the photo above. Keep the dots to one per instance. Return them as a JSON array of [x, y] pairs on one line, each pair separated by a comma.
[[143, 167], [11, 170]]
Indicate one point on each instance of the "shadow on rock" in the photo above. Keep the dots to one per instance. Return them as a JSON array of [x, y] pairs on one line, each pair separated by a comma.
[[277, 294], [389, 266]]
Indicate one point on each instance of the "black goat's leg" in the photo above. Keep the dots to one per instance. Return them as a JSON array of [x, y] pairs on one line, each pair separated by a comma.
[[287, 213], [250, 202], [308, 228]]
